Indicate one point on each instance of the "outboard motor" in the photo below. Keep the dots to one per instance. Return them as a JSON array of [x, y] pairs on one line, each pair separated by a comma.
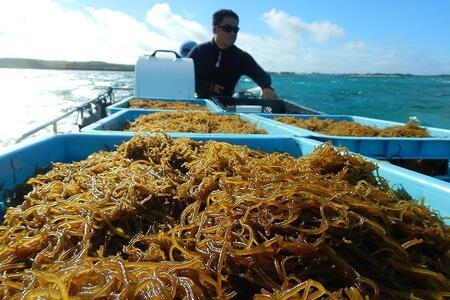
[[186, 47]]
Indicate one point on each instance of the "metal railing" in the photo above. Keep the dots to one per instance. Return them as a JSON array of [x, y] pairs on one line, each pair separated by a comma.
[[96, 109]]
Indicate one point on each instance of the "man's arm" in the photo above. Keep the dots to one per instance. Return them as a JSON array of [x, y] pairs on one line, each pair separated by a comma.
[[202, 87], [255, 72]]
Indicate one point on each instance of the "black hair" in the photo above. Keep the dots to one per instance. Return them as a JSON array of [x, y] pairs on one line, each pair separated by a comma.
[[218, 16]]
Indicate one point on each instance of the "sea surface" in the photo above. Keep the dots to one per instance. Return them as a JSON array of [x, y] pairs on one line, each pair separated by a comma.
[[31, 97]]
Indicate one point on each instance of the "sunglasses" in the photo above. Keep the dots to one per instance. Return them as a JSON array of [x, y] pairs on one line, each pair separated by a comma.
[[229, 28]]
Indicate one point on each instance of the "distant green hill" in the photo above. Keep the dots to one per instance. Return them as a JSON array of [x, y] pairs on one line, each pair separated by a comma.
[[24, 63]]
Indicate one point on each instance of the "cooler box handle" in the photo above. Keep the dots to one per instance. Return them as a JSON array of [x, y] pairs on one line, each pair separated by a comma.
[[167, 51]]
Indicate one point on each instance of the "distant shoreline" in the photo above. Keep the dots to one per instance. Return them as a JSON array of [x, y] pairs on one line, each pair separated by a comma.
[[26, 63]]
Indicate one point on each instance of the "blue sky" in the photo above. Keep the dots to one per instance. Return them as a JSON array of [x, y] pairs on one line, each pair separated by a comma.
[[304, 36]]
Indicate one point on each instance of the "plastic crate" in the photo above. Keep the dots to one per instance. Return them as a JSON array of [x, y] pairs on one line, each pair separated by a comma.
[[437, 168], [435, 147], [21, 161], [124, 104], [249, 105], [115, 123], [446, 176]]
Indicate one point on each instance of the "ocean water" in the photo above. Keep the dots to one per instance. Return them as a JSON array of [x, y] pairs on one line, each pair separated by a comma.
[[388, 97], [30, 97]]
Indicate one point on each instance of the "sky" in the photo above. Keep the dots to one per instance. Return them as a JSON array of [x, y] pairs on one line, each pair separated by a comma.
[[327, 36]]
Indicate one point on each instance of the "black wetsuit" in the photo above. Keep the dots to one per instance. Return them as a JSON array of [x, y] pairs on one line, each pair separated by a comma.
[[224, 67]]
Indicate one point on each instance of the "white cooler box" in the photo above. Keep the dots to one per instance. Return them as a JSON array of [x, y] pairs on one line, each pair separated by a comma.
[[163, 76]]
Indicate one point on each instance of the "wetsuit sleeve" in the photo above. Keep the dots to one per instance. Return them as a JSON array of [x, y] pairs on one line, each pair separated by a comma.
[[202, 87], [255, 72]]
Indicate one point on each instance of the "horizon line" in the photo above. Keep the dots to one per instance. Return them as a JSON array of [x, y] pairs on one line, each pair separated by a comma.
[[133, 65]]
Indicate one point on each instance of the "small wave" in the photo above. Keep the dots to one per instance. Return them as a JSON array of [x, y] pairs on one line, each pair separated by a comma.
[[102, 83], [441, 95]]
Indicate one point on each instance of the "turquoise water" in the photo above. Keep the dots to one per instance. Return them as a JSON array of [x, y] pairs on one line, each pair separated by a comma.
[[33, 97], [394, 98]]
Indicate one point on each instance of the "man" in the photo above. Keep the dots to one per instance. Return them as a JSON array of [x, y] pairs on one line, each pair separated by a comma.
[[219, 63]]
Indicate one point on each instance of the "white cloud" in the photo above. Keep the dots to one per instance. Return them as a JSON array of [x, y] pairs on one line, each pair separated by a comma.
[[359, 45], [174, 26], [46, 31], [275, 54], [293, 27], [310, 58], [324, 30]]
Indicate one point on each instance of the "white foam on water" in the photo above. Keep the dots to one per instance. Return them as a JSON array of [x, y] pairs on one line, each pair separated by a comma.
[[30, 98]]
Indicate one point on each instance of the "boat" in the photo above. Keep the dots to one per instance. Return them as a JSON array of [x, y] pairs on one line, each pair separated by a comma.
[[171, 78], [34, 155]]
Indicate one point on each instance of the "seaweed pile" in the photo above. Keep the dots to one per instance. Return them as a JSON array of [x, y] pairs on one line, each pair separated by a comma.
[[348, 128], [163, 218], [198, 122], [158, 104]]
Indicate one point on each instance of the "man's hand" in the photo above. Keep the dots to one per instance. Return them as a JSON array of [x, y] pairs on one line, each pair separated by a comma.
[[268, 94], [217, 89]]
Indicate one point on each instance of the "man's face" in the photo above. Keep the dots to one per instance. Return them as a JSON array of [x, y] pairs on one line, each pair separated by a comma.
[[225, 34]]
